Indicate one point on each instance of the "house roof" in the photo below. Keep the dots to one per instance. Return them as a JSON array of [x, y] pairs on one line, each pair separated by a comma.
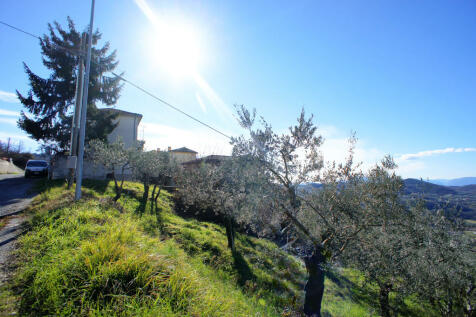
[[121, 112], [183, 150]]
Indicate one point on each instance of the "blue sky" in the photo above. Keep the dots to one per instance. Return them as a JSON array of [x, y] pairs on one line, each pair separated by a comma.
[[402, 74]]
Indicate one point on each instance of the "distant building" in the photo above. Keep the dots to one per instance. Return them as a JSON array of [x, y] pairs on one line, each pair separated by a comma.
[[182, 154]]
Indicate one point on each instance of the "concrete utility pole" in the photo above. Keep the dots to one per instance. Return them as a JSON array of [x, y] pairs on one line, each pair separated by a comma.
[[73, 151], [84, 110]]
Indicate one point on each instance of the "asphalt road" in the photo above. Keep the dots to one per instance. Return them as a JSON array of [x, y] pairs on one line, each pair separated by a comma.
[[15, 195]]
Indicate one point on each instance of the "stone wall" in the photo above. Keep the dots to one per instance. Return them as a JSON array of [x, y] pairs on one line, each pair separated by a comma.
[[7, 167], [59, 170]]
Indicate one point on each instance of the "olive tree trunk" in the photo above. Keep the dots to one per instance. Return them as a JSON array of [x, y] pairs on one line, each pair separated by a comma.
[[315, 284], [383, 299], [230, 232], [145, 197]]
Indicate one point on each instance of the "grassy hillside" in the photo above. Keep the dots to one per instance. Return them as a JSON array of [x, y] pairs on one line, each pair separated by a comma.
[[100, 258]]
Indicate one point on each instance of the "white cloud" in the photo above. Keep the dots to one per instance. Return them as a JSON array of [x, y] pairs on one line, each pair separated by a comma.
[[411, 168], [8, 96], [337, 149], [4, 112], [414, 156], [27, 143], [203, 141], [328, 131], [13, 136], [9, 121]]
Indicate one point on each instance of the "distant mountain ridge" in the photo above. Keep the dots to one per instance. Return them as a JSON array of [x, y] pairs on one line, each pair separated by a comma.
[[463, 181], [461, 198], [457, 198]]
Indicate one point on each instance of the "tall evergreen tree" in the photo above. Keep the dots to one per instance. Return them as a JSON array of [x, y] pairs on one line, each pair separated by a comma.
[[49, 103]]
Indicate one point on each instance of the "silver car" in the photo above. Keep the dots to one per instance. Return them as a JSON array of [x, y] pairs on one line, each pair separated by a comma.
[[36, 168]]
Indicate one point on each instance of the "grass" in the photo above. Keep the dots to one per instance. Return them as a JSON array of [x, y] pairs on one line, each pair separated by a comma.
[[3, 222], [100, 258]]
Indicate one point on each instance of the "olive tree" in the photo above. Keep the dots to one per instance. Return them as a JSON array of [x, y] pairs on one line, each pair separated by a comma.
[[113, 157], [444, 267], [383, 251], [329, 219], [164, 174], [148, 167], [230, 190]]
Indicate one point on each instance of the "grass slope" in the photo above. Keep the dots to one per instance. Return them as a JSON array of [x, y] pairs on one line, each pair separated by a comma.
[[100, 258]]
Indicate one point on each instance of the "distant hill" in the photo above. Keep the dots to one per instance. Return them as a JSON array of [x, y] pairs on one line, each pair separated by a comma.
[[461, 198], [417, 186], [457, 198], [463, 181]]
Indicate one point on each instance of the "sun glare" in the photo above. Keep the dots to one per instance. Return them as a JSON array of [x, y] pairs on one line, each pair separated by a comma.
[[177, 50], [173, 45]]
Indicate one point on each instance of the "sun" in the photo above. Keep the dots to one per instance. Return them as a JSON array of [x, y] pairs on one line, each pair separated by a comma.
[[179, 50], [173, 45]]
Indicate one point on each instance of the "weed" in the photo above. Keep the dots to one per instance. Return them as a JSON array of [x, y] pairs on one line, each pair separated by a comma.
[[101, 259]]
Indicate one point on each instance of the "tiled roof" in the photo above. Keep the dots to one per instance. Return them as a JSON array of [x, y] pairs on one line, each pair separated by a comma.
[[183, 150], [126, 113]]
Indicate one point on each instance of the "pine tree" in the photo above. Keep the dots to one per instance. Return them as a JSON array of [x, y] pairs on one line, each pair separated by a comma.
[[50, 101]]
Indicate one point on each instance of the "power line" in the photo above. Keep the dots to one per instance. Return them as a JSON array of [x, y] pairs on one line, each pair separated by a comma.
[[171, 106], [20, 30], [70, 50], [126, 81]]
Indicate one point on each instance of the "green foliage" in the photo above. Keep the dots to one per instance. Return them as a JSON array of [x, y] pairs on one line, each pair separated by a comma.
[[444, 268], [151, 167], [113, 157], [231, 190], [49, 101], [89, 258], [359, 217]]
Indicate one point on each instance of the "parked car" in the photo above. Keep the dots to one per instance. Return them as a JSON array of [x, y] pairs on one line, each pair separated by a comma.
[[36, 168]]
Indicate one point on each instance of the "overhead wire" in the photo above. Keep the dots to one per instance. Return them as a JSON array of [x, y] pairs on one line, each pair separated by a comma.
[[170, 105], [78, 52], [70, 50]]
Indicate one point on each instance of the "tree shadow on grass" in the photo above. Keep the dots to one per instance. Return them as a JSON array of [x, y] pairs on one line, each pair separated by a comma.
[[99, 186], [347, 288], [142, 207], [45, 184], [242, 268]]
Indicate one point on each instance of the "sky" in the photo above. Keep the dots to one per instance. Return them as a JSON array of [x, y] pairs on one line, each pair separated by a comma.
[[401, 74]]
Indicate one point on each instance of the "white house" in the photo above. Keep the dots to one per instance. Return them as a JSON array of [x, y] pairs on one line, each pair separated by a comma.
[[126, 129], [182, 154]]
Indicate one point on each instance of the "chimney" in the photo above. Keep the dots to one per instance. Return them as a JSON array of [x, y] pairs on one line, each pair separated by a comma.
[[170, 148]]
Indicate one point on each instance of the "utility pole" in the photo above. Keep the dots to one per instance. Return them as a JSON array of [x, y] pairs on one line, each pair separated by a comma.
[[73, 151], [84, 110]]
